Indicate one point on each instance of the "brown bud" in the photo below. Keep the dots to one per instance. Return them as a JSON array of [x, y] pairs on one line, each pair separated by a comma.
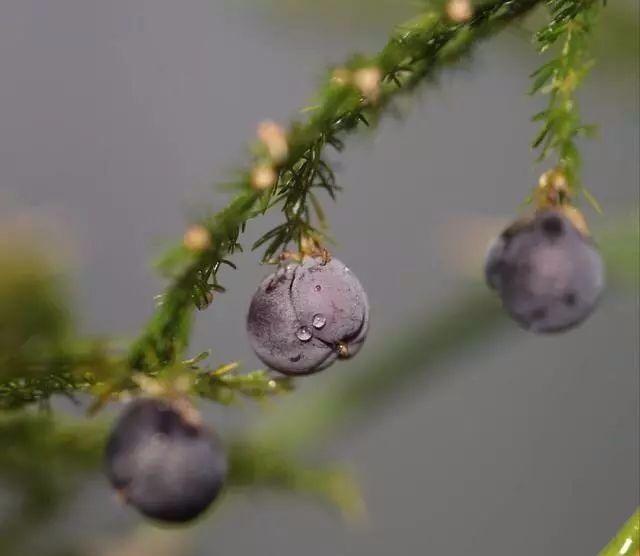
[[577, 219], [204, 300], [263, 176], [367, 80], [459, 11], [197, 238], [274, 138], [553, 188]]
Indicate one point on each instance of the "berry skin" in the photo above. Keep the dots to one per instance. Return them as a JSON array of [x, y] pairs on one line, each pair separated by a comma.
[[548, 274], [164, 465], [306, 315]]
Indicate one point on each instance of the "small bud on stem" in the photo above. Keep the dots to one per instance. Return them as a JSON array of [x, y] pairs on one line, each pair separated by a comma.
[[274, 138], [459, 11], [263, 176], [197, 238], [367, 80]]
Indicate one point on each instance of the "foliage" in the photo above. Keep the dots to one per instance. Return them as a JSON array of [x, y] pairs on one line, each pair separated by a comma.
[[41, 356], [413, 53], [31, 295], [353, 96], [571, 24]]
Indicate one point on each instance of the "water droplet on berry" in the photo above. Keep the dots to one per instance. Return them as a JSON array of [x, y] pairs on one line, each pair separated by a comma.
[[295, 328], [303, 334], [319, 321]]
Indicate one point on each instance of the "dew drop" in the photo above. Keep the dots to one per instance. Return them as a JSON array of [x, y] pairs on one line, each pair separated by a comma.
[[318, 287], [303, 334], [319, 321]]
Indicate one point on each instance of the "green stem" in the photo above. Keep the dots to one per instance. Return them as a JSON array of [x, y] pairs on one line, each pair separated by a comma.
[[421, 349], [411, 55], [166, 333], [627, 540], [572, 22], [421, 352]]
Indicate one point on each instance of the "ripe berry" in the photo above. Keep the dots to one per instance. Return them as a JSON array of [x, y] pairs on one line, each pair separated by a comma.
[[548, 274], [306, 315], [164, 464]]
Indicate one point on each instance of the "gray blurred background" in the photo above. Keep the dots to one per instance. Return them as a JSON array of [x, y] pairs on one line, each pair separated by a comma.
[[115, 119]]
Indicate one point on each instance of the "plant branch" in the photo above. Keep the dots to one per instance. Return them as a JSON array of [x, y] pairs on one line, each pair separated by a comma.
[[421, 349], [347, 100], [627, 540], [571, 24], [263, 459]]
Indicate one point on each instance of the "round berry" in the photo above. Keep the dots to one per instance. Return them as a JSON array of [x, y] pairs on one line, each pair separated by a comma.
[[306, 315], [163, 463], [548, 274]]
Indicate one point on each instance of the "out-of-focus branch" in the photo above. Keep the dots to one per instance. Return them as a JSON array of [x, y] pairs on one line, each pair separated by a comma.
[[420, 350], [627, 540], [355, 95], [46, 453], [44, 460]]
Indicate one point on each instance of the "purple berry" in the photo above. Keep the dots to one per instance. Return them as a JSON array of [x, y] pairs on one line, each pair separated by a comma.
[[306, 315], [168, 467], [548, 274]]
